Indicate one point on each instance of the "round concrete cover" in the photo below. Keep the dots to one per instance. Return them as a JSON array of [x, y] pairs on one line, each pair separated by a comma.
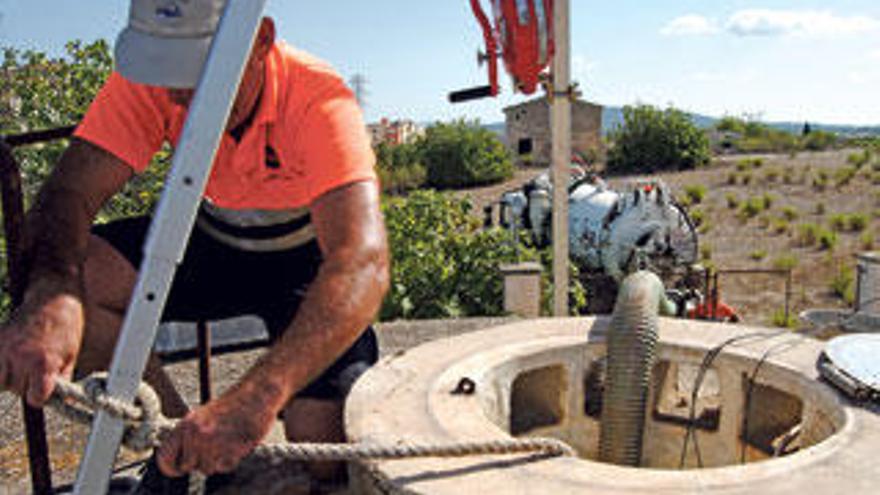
[[857, 356]]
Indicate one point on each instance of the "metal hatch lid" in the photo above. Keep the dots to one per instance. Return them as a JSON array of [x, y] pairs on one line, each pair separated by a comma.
[[856, 355]]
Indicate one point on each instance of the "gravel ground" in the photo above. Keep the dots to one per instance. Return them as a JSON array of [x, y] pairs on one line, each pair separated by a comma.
[[67, 440]]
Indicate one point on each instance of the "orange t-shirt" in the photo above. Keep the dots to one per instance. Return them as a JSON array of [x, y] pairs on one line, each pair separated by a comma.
[[306, 138]]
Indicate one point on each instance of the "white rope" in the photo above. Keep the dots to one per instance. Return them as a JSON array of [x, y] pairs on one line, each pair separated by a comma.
[[145, 424]]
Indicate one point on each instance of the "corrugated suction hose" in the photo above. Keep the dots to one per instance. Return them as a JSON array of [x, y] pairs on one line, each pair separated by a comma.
[[632, 340]]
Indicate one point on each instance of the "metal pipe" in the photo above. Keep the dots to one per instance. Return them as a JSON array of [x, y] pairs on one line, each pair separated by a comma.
[[561, 134], [632, 342], [203, 347], [13, 227]]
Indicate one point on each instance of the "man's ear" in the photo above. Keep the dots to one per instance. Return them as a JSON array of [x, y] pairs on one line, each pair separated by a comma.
[[265, 37]]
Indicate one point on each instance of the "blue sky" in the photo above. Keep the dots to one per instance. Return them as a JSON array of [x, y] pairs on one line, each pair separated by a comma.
[[776, 59]]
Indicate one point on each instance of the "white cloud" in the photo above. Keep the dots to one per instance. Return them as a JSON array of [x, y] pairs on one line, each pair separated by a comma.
[[874, 55], [689, 25], [767, 22]]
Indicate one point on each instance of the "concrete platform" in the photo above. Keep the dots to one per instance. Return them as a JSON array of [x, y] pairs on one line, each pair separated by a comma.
[[534, 378]]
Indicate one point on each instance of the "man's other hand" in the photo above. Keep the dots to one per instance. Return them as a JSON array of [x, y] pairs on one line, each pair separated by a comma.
[[39, 344], [214, 438]]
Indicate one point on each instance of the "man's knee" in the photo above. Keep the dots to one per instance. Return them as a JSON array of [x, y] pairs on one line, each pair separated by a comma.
[[314, 420]]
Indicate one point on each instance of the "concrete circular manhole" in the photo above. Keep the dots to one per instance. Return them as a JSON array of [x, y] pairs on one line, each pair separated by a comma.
[[762, 421]]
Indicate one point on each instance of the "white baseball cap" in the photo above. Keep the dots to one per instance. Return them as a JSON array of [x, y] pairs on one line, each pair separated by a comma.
[[166, 41]]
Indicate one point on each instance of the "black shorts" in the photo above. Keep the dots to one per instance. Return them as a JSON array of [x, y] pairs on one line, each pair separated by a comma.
[[216, 281]]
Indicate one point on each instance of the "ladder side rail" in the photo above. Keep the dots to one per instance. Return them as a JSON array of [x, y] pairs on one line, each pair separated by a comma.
[[170, 229]]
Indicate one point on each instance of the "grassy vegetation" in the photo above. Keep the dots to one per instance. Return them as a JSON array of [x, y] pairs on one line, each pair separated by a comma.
[[782, 320], [866, 240], [780, 226], [785, 262], [758, 254], [843, 284], [827, 240], [695, 192], [732, 200], [790, 213]]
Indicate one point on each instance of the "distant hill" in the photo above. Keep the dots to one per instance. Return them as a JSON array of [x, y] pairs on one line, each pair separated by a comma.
[[612, 117]]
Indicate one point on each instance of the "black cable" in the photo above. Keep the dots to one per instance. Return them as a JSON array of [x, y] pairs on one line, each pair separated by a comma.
[[747, 406], [708, 359]]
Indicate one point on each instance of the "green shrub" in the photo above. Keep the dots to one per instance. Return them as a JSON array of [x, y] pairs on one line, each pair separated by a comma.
[[399, 167], [768, 200], [839, 222], [820, 182], [752, 207], [444, 263], [819, 140], [859, 159], [780, 226], [743, 165], [695, 192], [705, 252], [843, 284], [697, 217], [785, 262], [464, 154], [820, 208], [651, 140], [732, 178], [790, 213], [857, 222], [843, 176], [758, 254], [746, 178], [782, 320], [772, 175], [808, 234], [705, 227], [732, 200], [866, 240], [764, 221], [827, 239]]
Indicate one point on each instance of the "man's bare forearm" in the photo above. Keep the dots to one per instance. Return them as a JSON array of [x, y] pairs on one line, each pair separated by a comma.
[[56, 240], [57, 227], [343, 299]]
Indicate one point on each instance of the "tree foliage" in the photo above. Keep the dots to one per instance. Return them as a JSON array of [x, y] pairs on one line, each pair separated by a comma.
[[651, 140], [464, 154], [400, 167], [39, 92], [443, 263]]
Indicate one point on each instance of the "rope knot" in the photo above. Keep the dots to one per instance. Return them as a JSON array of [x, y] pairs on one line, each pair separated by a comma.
[[143, 418]]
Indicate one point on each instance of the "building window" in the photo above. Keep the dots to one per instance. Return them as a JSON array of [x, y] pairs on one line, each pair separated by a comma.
[[525, 146]]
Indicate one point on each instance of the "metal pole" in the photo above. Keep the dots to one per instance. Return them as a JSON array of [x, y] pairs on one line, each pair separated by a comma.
[[203, 349], [13, 226], [170, 229], [561, 131]]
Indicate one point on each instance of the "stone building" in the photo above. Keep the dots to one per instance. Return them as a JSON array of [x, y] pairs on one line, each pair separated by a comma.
[[528, 130]]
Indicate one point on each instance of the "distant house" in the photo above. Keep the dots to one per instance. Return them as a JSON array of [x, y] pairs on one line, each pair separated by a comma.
[[394, 132], [528, 130]]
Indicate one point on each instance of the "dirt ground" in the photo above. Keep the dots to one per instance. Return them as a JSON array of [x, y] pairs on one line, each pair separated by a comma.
[[736, 244]]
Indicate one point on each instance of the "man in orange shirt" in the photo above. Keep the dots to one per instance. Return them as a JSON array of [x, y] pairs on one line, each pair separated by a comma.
[[290, 230]]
